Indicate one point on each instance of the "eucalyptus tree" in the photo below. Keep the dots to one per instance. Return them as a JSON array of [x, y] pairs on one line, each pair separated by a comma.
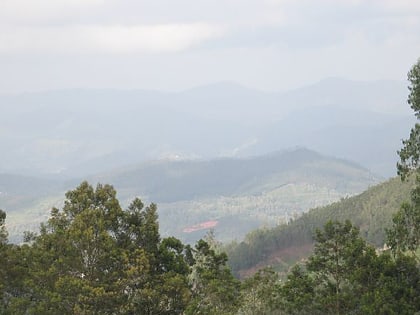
[[404, 235]]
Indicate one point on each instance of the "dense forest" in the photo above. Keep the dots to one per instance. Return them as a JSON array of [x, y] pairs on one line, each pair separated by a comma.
[[93, 257], [284, 245]]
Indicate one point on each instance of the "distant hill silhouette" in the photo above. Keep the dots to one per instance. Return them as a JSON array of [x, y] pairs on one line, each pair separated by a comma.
[[79, 132]]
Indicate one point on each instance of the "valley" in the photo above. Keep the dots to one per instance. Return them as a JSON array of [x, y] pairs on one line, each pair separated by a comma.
[[203, 154], [238, 195]]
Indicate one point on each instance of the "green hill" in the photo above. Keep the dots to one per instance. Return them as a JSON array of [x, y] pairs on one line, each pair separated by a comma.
[[177, 180], [233, 196], [238, 194], [285, 244]]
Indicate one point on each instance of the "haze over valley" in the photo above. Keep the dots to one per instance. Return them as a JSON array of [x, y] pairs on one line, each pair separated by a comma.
[[201, 154], [74, 133]]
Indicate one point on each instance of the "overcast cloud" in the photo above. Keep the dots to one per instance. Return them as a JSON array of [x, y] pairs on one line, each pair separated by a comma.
[[172, 45]]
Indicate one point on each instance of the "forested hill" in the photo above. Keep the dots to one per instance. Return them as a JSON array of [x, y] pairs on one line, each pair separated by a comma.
[[236, 196], [233, 195], [177, 180], [282, 246]]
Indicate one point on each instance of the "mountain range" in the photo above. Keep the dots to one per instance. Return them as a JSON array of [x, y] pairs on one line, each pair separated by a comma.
[[75, 133]]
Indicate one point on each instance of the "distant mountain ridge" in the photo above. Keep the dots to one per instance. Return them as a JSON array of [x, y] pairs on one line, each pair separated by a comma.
[[79, 132]]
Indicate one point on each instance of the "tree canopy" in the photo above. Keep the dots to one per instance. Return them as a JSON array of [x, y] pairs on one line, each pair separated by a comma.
[[93, 257], [404, 235]]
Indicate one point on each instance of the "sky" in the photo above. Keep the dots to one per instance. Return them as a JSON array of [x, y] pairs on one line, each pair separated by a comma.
[[173, 45]]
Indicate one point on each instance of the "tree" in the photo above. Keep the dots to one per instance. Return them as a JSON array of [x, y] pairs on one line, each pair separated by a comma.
[[3, 232], [163, 287], [76, 265], [410, 153], [394, 287], [345, 275], [297, 295], [214, 289], [92, 257], [139, 228], [339, 249], [405, 231], [259, 293]]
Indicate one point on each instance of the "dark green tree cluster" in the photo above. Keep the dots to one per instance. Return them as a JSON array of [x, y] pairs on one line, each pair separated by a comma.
[[406, 229], [92, 257], [405, 233], [345, 275]]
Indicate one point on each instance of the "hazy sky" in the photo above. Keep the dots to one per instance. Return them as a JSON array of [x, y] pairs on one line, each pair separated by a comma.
[[177, 44]]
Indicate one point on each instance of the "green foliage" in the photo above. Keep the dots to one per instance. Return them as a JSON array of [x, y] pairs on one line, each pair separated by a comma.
[[3, 232], [405, 232], [259, 293], [92, 257], [414, 88], [372, 211], [214, 289], [344, 275], [394, 286], [410, 153], [339, 251], [298, 292]]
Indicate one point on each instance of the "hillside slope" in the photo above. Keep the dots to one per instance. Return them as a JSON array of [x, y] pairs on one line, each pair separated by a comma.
[[171, 180], [233, 196], [372, 211], [239, 195]]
